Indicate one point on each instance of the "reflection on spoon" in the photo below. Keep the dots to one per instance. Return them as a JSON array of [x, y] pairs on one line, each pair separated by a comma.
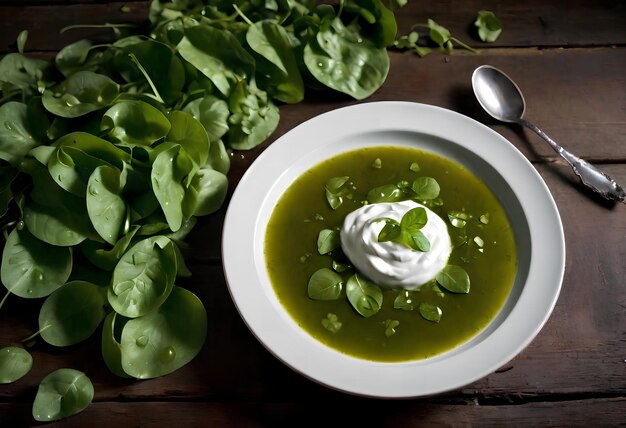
[[503, 100]]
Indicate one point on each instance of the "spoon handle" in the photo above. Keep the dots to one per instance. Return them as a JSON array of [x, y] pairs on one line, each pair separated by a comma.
[[591, 176]]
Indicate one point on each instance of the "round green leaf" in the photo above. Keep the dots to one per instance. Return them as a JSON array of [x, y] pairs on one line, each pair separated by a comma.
[[14, 363], [72, 313], [207, 192], [106, 208], [168, 171], [55, 227], [166, 339], [328, 240], [386, 193], [325, 284], [342, 60], [190, 134], [81, 93], [454, 278], [111, 348], [212, 113], [22, 127], [134, 123], [364, 296], [31, 268], [426, 188], [143, 278], [62, 393], [430, 312]]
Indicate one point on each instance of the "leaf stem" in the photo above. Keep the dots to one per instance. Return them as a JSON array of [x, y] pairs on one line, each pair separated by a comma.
[[35, 334], [4, 298], [463, 45], [243, 16], [145, 74]]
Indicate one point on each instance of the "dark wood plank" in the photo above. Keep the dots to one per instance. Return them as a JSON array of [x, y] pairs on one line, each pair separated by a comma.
[[415, 413], [529, 23]]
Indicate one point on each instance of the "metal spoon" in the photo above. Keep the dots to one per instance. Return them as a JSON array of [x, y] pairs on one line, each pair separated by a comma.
[[503, 100]]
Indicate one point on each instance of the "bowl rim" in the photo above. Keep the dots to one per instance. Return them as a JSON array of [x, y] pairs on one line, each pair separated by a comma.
[[337, 131]]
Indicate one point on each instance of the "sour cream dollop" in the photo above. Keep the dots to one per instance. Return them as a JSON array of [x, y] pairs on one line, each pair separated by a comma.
[[391, 264]]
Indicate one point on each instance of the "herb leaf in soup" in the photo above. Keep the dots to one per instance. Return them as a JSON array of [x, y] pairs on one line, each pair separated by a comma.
[[426, 188], [419, 242], [331, 323], [386, 193], [454, 278], [430, 312], [325, 284], [390, 327], [336, 189], [328, 240], [406, 300], [364, 296]]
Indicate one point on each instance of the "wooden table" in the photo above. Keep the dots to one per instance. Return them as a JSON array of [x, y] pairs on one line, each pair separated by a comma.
[[569, 58]]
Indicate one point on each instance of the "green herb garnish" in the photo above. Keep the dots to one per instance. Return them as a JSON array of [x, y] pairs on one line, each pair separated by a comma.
[[377, 164], [426, 188], [390, 327], [331, 323], [407, 232], [325, 284], [406, 300], [458, 219], [454, 278], [337, 188], [364, 296], [328, 240], [430, 312]]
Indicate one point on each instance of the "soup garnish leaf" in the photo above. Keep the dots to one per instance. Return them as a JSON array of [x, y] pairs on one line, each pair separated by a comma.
[[364, 296], [328, 240], [406, 300], [331, 323], [390, 327], [454, 278], [426, 188], [430, 312], [325, 284]]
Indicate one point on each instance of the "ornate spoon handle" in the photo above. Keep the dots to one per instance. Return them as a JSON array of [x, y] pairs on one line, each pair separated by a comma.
[[590, 175]]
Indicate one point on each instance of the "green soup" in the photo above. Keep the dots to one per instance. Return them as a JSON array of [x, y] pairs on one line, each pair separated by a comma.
[[483, 245]]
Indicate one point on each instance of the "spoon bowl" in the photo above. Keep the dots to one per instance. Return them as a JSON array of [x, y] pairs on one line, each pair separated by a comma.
[[502, 99]]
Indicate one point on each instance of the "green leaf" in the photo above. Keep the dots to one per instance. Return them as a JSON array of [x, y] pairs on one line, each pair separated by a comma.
[[81, 93], [390, 231], [73, 57], [190, 134], [105, 205], [484, 219], [454, 278], [325, 284], [336, 189], [21, 40], [328, 240], [277, 66], [14, 363], [104, 258], [419, 241], [206, 193], [212, 113], [458, 219], [386, 193], [390, 327], [72, 313], [383, 28], [331, 323], [406, 300], [218, 55], [62, 393], [340, 58], [143, 278], [489, 26], [165, 339], [414, 167], [22, 127], [59, 227], [364, 296], [24, 73], [134, 123], [169, 170], [31, 268], [414, 219], [426, 188], [111, 348], [219, 158], [430, 312], [253, 117], [438, 34]]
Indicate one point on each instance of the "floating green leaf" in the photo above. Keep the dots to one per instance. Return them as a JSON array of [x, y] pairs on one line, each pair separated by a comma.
[[430, 312], [390, 327], [406, 300], [364, 296], [331, 323], [325, 284], [328, 240], [426, 188], [454, 278]]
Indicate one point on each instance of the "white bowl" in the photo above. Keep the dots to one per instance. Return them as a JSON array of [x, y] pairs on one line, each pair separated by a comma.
[[527, 201]]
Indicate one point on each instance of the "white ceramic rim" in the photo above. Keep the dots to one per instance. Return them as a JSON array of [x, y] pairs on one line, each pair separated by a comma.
[[490, 156]]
